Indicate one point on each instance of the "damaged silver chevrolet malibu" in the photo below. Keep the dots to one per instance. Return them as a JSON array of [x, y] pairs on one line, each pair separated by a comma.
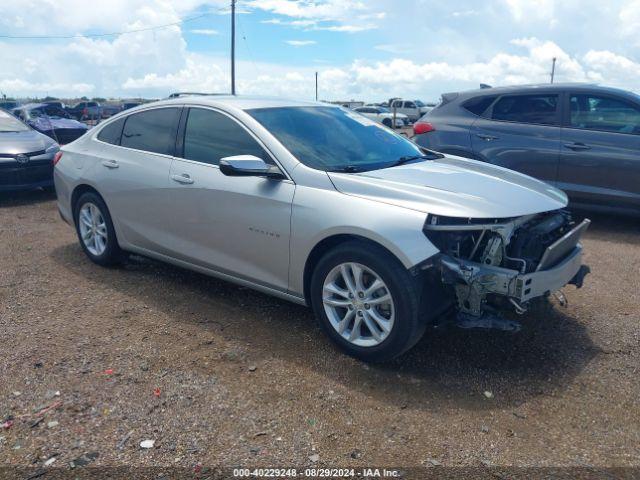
[[320, 206]]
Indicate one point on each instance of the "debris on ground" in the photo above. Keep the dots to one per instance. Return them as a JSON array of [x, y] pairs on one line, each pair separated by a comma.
[[84, 459], [488, 394], [124, 440], [147, 443], [314, 457]]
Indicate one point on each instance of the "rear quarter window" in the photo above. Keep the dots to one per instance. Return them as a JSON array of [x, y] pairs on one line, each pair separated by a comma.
[[479, 105], [112, 132]]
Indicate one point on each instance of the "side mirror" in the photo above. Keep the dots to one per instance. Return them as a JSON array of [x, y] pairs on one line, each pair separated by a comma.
[[249, 166]]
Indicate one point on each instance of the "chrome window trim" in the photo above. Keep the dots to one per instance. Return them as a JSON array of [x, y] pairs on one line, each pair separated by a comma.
[[95, 138]]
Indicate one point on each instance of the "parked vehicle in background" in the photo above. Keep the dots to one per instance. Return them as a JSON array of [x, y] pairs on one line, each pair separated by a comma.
[[52, 121], [584, 139], [8, 105], [85, 111], [413, 109], [128, 105], [55, 103], [308, 202], [26, 156], [383, 115], [110, 109]]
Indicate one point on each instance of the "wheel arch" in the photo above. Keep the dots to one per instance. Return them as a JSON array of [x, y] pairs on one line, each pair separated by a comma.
[[77, 192], [327, 244]]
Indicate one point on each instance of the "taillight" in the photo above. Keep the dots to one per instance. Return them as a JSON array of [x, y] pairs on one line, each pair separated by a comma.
[[423, 127], [56, 158]]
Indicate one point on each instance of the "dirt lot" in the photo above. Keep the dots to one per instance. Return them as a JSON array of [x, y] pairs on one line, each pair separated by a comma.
[[248, 380]]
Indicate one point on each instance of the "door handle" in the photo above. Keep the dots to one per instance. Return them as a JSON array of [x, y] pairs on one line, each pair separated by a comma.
[[577, 146], [110, 163], [184, 178], [488, 138]]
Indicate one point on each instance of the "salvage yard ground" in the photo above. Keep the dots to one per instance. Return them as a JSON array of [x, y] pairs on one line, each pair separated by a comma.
[[220, 375]]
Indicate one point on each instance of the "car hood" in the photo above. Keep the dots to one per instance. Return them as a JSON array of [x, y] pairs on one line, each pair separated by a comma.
[[23, 142], [453, 187], [45, 124]]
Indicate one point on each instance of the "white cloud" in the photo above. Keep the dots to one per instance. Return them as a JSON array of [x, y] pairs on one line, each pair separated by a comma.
[[527, 10], [300, 43], [205, 31]]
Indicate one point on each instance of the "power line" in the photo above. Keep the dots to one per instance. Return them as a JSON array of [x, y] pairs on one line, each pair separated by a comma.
[[97, 35]]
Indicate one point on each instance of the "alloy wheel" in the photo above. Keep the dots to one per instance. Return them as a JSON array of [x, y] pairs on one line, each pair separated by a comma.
[[93, 229], [359, 304]]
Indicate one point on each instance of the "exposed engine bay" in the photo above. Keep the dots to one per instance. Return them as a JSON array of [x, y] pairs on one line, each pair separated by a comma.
[[494, 263]]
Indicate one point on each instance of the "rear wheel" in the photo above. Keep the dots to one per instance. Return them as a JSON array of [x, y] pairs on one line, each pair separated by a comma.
[[366, 301], [95, 230]]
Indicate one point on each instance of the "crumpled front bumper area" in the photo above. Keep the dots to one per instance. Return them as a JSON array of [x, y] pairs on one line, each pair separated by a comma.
[[511, 283], [483, 289]]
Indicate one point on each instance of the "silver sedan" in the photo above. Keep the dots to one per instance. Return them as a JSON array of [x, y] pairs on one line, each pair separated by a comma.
[[320, 206]]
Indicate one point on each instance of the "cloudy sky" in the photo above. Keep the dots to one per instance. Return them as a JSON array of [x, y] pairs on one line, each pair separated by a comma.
[[362, 49]]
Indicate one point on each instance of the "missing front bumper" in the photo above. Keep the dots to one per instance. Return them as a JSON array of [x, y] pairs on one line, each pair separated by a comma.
[[475, 283]]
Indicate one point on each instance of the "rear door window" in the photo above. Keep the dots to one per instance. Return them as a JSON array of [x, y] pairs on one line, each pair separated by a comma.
[[210, 136], [152, 130], [409, 105], [593, 112], [535, 109]]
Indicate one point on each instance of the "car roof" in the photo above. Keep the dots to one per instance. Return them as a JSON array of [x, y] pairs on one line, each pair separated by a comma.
[[30, 106], [240, 102], [532, 88]]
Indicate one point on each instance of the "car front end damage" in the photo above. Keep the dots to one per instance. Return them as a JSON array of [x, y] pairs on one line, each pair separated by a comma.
[[493, 265]]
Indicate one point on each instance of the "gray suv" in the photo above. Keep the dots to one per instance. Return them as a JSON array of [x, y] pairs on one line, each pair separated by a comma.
[[583, 139]]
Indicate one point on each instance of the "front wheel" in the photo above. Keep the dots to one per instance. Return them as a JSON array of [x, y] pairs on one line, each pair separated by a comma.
[[367, 302]]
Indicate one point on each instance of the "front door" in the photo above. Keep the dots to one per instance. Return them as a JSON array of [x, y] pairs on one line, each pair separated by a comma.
[[600, 160], [235, 225], [522, 133]]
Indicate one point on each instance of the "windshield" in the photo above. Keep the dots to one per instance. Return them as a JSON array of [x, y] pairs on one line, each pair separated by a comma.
[[419, 103], [9, 123], [334, 139]]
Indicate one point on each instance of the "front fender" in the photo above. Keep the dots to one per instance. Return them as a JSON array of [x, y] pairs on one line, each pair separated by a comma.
[[319, 214]]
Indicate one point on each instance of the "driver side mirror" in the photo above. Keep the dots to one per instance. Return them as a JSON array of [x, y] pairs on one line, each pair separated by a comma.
[[249, 166]]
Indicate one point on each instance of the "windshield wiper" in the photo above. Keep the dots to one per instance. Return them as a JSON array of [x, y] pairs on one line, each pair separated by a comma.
[[411, 158], [347, 169]]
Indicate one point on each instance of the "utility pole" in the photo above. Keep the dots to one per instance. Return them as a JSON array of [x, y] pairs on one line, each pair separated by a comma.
[[316, 86], [233, 47], [553, 69]]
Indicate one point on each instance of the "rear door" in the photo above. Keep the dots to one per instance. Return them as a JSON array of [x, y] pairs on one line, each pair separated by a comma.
[[133, 175], [522, 133], [235, 225], [600, 160]]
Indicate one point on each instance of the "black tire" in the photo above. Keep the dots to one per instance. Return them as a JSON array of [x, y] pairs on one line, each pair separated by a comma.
[[112, 254], [387, 122], [404, 288]]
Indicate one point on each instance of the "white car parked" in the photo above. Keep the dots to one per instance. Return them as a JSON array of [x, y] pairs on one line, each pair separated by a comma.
[[383, 115], [414, 109]]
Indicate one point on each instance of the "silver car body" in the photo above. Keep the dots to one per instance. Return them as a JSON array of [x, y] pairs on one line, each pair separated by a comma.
[[261, 233]]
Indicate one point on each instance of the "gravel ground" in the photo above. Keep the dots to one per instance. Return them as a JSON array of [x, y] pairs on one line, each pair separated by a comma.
[[94, 361]]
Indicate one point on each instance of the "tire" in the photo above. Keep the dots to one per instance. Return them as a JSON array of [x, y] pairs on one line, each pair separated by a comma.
[[387, 122], [106, 252], [406, 326]]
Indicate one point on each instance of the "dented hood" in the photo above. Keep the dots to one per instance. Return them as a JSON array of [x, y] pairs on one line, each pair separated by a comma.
[[455, 187]]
